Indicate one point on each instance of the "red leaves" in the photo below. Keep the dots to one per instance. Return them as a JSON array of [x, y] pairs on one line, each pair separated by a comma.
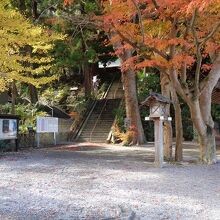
[[212, 47], [206, 67], [150, 63], [180, 42], [180, 59], [129, 64], [154, 36], [177, 62], [68, 2]]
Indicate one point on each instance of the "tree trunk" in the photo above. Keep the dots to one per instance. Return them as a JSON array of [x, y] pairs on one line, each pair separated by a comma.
[[207, 147], [178, 127], [200, 109], [167, 140], [207, 143], [21, 6], [33, 93], [131, 99], [132, 108], [168, 133], [34, 9], [87, 72], [131, 102], [204, 126], [13, 97]]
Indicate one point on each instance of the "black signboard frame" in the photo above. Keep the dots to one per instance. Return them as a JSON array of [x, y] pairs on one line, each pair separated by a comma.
[[14, 117]]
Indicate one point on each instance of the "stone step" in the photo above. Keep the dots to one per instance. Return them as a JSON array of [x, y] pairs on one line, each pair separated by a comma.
[[100, 122], [95, 130], [93, 119], [91, 140], [103, 115], [95, 133], [93, 136]]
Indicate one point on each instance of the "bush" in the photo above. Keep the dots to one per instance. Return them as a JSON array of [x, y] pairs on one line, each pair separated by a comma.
[[27, 113]]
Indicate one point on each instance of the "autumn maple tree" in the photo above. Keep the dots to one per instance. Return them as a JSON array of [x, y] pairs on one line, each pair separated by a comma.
[[175, 37]]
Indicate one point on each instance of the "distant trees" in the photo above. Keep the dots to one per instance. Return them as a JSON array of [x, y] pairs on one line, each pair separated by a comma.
[[85, 44], [78, 55]]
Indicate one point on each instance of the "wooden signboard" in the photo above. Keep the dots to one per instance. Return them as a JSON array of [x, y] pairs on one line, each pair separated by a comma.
[[9, 128], [47, 125]]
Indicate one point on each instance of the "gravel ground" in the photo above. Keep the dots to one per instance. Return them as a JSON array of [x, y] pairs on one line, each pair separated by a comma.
[[105, 182]]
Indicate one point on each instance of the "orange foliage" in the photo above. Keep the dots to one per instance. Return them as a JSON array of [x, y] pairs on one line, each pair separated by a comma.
[[124, 137], [147, 29], [68, 2]]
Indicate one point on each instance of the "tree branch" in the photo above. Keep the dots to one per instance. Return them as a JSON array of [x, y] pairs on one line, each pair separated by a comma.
[[183, 92], [184, 67], [141, 46], [80, 20], [44, 11], [213, 77], [200, 87], [210, 35], [198, 54], [155, 4], [176, 84], [139, 19]]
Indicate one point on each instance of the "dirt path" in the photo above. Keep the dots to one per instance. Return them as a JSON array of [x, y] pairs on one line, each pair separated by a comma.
[[99, 182]]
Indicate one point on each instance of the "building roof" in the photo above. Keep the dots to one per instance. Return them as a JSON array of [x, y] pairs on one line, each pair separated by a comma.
[[116, 63], [53, 111], [9, 116]]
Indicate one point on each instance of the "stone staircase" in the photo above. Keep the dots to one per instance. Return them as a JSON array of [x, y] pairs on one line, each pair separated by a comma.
[[116, 91], [97, 126]]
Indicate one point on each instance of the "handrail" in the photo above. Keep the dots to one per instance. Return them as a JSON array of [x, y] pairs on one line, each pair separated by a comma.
[[107, 91], [85, 119], [106, 100], [116, 90], [110, 133], [104, 97], [87, 115]]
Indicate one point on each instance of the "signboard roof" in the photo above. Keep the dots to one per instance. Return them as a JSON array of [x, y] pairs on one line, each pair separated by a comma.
[[155, 97], [8, 116]]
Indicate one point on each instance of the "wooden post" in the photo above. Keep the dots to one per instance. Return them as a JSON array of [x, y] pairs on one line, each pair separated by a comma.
[[158, 142], [16, 140], [54, 138], [38, 140]]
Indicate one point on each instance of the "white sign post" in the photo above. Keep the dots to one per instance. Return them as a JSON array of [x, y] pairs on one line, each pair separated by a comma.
[[158, 139], [46, 125]]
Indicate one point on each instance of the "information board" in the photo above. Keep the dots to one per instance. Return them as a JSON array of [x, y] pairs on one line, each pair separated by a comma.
[[47, 125], [8, 129]]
